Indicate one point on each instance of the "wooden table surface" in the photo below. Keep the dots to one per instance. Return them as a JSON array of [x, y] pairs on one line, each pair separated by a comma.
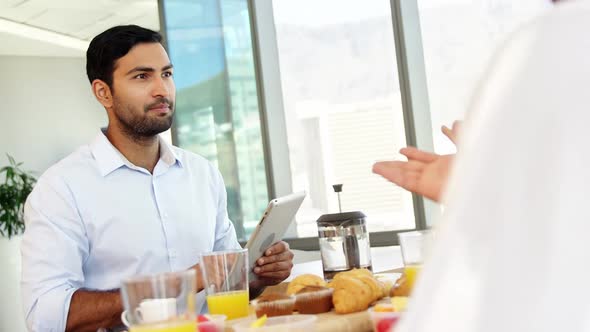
[[330, 321]]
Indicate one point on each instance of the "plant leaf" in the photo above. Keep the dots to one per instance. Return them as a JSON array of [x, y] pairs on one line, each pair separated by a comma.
[[14, 191]]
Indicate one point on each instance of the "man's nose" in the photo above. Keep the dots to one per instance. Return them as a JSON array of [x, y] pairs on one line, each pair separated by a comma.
[[160, 88]]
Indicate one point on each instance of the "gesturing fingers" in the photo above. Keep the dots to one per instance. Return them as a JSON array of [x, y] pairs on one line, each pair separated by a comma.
[[413, 153], [399, 172], [453, 132]]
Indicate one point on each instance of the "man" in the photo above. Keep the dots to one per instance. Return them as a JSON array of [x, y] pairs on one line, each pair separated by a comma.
[[128, 203]]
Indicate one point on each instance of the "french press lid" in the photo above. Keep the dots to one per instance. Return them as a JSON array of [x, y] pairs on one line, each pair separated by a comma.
[[342, 219]]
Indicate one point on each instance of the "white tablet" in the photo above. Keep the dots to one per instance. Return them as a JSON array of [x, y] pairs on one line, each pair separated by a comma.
[[272, 227]]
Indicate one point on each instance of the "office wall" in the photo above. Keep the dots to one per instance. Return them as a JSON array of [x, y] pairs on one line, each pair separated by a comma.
[[46, 111]]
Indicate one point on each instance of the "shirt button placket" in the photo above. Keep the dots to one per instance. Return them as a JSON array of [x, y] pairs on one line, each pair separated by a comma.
[[168, 231]]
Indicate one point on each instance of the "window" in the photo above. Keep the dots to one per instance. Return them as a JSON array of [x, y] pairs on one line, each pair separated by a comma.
[[459, 38], [217, 111], [342, 107], [340, 101]]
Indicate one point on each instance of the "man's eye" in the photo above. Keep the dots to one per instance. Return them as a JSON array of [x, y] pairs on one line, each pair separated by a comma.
[[141, 76], [167, 74]]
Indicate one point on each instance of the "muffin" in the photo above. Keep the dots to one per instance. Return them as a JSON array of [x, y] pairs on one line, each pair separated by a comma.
[[274, 304], [313, 300]]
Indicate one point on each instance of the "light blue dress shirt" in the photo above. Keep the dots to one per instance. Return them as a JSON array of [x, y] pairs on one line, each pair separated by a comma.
[[95, 219]]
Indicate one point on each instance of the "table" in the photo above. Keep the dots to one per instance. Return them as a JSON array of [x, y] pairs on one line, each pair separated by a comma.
[[385, 260]]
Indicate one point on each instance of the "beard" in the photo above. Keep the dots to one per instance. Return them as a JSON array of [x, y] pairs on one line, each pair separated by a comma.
[[138, 123]]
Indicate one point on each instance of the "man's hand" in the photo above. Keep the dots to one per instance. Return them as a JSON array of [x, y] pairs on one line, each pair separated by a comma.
[[199, 282], [216, 268], [424, 173], [216, 274], [274, 267]]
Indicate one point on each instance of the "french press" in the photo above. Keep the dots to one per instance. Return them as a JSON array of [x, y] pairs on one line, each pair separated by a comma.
[[344, 241]]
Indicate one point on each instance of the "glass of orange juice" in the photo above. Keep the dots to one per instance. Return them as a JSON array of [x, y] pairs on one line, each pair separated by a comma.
[[226, 282], [414, 246], [160, 303]]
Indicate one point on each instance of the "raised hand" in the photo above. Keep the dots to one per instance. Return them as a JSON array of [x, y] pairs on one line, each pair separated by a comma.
[[424, 173]]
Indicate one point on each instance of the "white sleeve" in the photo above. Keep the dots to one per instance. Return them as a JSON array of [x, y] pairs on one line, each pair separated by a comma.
[[53, 250]]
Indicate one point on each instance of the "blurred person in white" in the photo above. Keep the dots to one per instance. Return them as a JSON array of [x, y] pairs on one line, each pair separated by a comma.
[[511, 252], [459, 37]]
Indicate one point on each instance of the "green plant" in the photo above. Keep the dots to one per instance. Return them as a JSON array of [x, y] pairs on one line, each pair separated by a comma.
[[13, 193]]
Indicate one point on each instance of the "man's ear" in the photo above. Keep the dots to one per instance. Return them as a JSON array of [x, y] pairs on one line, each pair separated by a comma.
[[103, 93]]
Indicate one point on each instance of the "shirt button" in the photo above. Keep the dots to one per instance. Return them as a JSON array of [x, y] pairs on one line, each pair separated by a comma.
[[165, 215]]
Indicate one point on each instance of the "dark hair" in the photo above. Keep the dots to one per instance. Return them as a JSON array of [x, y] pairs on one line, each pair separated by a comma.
[[106, 48]]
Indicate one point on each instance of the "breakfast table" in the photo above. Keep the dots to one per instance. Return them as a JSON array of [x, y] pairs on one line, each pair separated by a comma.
[[386, 261]]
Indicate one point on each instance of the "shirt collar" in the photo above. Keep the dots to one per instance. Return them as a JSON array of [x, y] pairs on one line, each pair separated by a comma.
[[109, 158], [167, 153]]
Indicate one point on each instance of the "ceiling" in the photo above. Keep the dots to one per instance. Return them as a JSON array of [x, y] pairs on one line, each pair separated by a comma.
[[65, 27]]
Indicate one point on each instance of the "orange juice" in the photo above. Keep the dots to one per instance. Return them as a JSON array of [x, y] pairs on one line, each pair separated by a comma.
[[411, 272], [231, 304], [177, 326]]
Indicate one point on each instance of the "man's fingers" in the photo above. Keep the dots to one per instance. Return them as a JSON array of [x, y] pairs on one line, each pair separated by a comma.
[[276, 248], [453, 132], [284, 256], [279, 275], [449, 133], [391, 170], [263, 282], [398, 165], [404, 174], [457, 126], [274, 267], [414, 166], [413, 153], [214, 271], [396, 171]]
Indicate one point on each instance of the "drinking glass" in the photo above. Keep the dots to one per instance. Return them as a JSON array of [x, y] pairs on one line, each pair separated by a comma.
[[226, 282], [414, 246], [160, 303]]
